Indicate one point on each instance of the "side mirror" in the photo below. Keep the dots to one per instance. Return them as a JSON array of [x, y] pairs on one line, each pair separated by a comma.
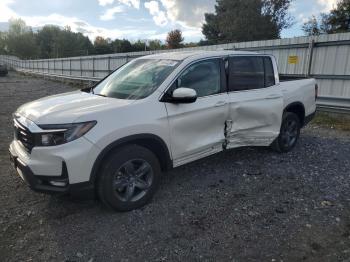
[[183, 95]]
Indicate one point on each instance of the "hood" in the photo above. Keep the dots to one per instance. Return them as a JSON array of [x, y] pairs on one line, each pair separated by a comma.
[[68, 107]]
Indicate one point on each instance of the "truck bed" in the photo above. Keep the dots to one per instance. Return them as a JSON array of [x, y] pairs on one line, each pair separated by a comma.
[[299, 89]]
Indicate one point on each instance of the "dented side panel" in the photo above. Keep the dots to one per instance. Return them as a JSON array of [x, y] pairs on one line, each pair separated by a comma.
[[255, 117], [197, 129]]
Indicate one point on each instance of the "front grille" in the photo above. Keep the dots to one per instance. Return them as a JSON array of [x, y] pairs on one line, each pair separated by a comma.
[[24, 136]]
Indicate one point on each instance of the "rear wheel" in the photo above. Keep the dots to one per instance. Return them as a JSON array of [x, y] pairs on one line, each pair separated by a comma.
[[129, 178], [289, 133]]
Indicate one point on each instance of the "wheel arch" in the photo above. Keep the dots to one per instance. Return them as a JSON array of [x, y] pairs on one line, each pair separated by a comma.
[[298, 109], [152, 142]]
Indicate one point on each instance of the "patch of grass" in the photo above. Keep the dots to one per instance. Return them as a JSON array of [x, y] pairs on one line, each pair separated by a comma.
[[337, 121]]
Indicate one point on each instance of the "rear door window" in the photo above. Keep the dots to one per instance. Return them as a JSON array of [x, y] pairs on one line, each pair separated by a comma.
[[246, 72]]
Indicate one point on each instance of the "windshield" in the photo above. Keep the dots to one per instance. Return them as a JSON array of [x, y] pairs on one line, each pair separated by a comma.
[[137, 79]]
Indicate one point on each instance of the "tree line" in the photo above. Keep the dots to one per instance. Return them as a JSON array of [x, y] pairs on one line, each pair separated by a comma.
[[232, 21], [336, 21], [52, 41]]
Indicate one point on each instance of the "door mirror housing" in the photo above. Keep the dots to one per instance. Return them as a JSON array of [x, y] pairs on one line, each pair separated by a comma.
[[183, 95]]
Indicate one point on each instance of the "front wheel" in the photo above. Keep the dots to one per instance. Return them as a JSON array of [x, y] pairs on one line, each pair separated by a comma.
[[129, 178], [289, 133]]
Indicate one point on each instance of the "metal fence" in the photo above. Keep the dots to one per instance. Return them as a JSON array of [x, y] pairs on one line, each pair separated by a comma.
[[325, 57]]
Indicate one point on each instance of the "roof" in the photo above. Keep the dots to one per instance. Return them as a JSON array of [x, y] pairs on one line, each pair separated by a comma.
[[182, 55]]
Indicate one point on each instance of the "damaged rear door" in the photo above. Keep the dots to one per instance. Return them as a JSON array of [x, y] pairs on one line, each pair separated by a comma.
[[255, 102]]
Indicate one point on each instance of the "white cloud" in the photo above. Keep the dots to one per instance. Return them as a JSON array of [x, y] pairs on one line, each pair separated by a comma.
[[78, 25], [159, 16], [131, 3], [6, 12], [327, 5], [110, 13], [153, 7], [186, 13], [160, 19], [190, 35], [161, 36], [303, 14], [189, 13], [105, 2], [193, 34]]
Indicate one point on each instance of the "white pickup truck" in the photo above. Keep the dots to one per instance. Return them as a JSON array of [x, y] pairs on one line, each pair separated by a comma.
[[155, 113]]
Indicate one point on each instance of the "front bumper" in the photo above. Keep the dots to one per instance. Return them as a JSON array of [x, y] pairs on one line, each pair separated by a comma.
[[62, 169], [49, 184], [43, 184]]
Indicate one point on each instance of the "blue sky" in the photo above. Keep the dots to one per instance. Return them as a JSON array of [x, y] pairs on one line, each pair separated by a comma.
[[136, 19]]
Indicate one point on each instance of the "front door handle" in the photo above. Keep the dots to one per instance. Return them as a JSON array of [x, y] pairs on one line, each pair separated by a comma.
[[273, 96], [220, 103]]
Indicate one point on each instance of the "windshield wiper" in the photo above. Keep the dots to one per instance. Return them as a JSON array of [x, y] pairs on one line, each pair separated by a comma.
[[89, 89]]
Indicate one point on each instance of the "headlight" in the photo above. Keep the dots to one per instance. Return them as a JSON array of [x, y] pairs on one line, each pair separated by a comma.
[[60, 134]]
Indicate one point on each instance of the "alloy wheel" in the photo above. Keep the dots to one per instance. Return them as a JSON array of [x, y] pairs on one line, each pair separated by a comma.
[[289, 133], [132, 180]]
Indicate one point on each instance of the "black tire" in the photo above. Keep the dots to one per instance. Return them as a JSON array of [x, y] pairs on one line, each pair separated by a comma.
[[289, 133], [115, 178]]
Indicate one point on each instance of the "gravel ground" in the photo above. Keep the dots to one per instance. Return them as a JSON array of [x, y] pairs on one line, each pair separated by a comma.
[[247, 204]]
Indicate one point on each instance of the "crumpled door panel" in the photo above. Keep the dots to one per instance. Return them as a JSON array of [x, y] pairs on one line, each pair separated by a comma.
[[254, 122]]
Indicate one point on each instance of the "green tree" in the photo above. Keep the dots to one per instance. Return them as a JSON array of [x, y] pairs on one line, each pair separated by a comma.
[[47, 40], [174, 39], [56, 42], [155, 44], [3, 43], [20, 40], [83, 45], [121, 46], [336, 21], [211, 29], [139, 46], [191, 44], [102, 45], [246, 20], [72, 44], [312, 27]]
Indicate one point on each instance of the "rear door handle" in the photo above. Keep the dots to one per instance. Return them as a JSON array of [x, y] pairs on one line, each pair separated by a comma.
[[220, 103]]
